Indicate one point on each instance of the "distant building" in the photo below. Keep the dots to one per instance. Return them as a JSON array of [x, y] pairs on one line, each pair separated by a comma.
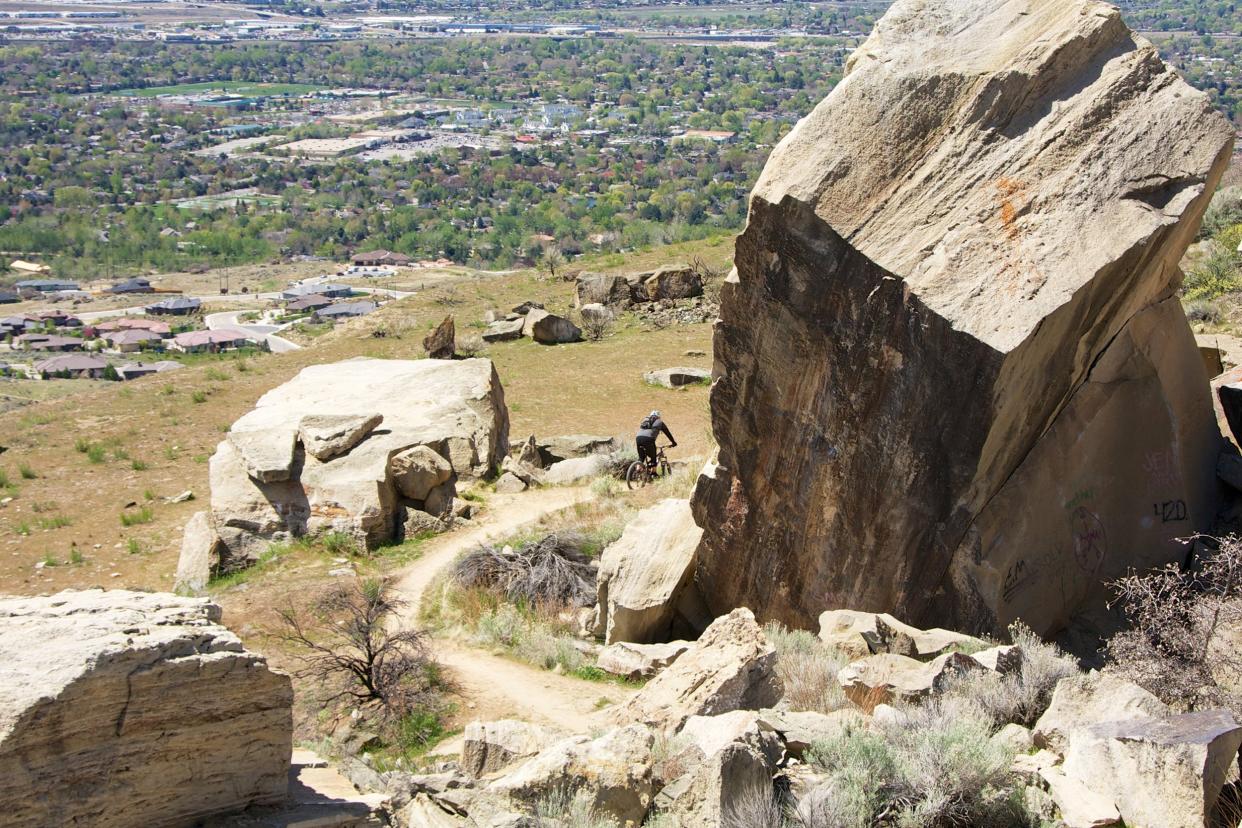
[[153, 325], [136, 285], [46, 285], [346, 310], [379, 258], [180, 306], [223, 339], [328, 290], [47, 342], [129, 341], [8, 297], [308, 303], [716, 135], [29, 267], [80, 366]]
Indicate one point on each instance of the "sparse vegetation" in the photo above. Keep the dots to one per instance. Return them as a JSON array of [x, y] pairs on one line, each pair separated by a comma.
[[198, 396], [27, 472], [96, 453], [54, 522], [807, 669], [137, 516], [139, 465]]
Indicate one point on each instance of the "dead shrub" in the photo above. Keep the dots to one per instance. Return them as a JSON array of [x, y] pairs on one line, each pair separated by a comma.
[[1175, 645], [550, 572], [596, 326], [807, 669], [350, 647]]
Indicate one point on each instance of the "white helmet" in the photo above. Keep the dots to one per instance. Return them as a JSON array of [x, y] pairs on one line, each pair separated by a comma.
[[654, 414]]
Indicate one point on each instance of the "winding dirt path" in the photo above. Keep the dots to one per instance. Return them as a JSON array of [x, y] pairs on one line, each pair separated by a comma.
[[492, 686]]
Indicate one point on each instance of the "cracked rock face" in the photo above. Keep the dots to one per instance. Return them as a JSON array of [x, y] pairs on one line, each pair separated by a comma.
[[328, 450], [950, 384], [125, 708]]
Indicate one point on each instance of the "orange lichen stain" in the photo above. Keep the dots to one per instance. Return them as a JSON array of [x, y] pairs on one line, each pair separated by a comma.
[[1007, 189]]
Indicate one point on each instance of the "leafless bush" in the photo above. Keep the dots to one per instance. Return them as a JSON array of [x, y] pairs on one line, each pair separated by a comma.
[[348, 644], [1174, 646], [596, 326], [471, 346], [551, 572], [706, 271], [753, 807]]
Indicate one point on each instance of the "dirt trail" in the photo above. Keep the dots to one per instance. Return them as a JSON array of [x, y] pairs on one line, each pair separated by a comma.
[[491, 686]]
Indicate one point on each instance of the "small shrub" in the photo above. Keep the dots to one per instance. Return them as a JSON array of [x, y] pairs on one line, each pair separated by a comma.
[[55, 522], [808, 670], [1201, 310], [199, 396], [22, 529], [242, 366], [565, 807], [754, 807], [339, 543], [50, 560], [95, 453], [171, 452], [27, 472], [139, 465], [215, 374], [596, 326], [148, 494], [75, 557], [133, 546], [120, 454], [168, 391], [137, 517], [81, 445]]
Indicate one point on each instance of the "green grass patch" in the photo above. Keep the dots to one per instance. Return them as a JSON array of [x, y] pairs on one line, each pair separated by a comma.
[[244, 88], [54, 522], [27, 472], [137, 517]]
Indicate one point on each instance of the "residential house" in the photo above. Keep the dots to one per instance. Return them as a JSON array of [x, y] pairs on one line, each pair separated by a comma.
[[380, 258], [307, 303], [328, 290], [346, 310], [8, 297], [58, 318], [14, 325], [151, 325], [136, 285], [79, 366], [131, 341], [222, 339], [180, 306], [47, 342], [46, 285]]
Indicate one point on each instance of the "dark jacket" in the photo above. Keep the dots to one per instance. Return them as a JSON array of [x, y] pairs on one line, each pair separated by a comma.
[[651, 427]]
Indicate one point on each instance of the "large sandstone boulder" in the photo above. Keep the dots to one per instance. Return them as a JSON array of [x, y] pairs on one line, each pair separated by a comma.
[[953, 382], [1167, 772], [442, 420], [731, 667], [128, 708], [492, 746], [568, 446], [200, 554], [635, 661], [859, 634], [550, 329], [880, 679], [677, 281], [1079, 702], [602, 289], [643, 574]]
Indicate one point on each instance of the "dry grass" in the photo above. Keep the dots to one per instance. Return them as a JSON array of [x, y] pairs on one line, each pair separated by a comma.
[[807, 669], [590, 387]]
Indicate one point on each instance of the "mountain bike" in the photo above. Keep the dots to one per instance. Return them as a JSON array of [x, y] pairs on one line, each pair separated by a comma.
[[639, 474]]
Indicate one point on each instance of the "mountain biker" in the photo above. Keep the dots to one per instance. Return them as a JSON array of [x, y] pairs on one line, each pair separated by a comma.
[[648, 430]]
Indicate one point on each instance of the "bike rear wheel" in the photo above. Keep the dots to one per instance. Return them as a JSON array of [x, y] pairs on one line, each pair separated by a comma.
[[636, 475]]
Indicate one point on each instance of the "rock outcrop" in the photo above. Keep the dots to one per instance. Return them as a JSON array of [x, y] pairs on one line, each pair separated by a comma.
[[126, 708], [419, 426], [643, 574], [953, 382]]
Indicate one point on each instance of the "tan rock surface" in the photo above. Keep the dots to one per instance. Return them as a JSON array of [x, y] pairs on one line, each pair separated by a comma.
[[935, 259], [134, 709]]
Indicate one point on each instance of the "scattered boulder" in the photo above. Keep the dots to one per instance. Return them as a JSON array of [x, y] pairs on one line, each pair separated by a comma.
[[423, 812], [550, 329], [568, 446], [1081, 701], [442, 342], [799, 730], [325, 436], [862, 633], [526, 307], [494, 746], [419, 523], [984, 267], [1005, 659], [886, 677], [576, 470], [602, 289], [503, 330], [677, 377], [673, 282], [730, 667], [613, 770], [510, 483], [1079, 805], [200, 554], [529, 453], [453, 408], [635, 661], [1167, 772], [714, 791], [417, 471], [122, 687], [643, 574], [528, 473]]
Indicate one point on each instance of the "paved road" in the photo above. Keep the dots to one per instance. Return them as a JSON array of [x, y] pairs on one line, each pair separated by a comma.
[[229, 319]]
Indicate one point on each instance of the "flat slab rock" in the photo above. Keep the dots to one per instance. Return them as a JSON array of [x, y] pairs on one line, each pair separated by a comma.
[[677, 377], [325, 436], [121, 687]]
